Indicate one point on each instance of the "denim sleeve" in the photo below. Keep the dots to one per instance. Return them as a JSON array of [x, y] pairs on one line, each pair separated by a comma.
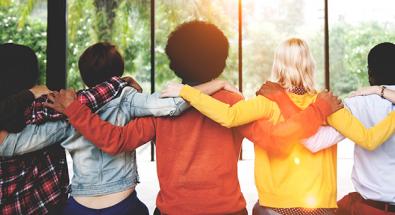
[[35, 137], [142, 104]]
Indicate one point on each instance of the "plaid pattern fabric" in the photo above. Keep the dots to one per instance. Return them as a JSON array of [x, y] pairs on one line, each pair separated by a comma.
[[304, 211], [35, 183], [94, 98]]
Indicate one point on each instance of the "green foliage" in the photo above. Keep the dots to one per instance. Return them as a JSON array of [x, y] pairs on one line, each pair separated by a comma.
[[26, 11], [126, 23], [349, 48], [32, 33]]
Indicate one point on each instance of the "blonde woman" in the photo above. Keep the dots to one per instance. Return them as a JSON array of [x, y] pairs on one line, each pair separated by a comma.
[[301, 182]]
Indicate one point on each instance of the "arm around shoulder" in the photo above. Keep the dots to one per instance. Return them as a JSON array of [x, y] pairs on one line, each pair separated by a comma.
[[35, 137], [241, 113], [152, 105], [110, 138], [352, 128]]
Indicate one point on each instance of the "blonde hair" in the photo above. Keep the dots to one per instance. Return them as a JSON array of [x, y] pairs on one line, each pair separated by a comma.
[[294, 66]]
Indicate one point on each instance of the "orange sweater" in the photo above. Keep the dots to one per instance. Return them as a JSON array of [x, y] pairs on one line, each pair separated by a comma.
[[196, 157]]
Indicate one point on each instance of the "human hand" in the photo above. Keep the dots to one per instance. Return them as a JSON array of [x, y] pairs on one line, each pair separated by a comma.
[[366, 91], [172, 90], [39, 90], [3, 135], [229, 87], [270, 90], [333, 102], [133, 83], [61, 100]]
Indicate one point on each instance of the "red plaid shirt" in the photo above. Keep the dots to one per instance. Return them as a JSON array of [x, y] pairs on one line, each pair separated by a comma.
[[34, 183], [94, 98], [37, 183]]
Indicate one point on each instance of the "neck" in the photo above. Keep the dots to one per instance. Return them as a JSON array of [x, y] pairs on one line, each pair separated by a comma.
[[191, 83]]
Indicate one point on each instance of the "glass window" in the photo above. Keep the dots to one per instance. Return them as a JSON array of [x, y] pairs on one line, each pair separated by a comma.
[[355, 27], [25, 22], [171, 13], [126, 24], [267, 23]]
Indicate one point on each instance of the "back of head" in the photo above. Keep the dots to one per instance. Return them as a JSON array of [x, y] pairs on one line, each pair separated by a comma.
[[381, 64], [19, 69], [293, 65], [99, 63], [197, 52]]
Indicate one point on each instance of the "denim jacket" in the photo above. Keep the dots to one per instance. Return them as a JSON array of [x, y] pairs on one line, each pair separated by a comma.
[[95, 172]]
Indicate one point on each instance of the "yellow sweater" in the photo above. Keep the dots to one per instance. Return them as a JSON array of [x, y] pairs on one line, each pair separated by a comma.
[[301, 179]]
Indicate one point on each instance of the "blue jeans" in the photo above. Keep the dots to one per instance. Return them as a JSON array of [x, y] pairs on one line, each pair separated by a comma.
[[130, 205]]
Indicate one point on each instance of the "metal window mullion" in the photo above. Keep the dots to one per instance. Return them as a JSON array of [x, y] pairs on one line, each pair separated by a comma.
[[56, 44], [240, 70], [152, 63], [326, 46]]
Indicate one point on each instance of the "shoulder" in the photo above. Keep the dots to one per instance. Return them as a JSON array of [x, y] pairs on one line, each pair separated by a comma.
[[127, 94], [372, 105], [227, 97]]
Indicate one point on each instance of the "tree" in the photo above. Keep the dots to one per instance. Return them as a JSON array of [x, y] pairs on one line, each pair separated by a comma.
[[349, 48]]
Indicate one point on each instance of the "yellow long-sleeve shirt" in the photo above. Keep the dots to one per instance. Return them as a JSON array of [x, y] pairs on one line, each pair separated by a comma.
[[301, 179]]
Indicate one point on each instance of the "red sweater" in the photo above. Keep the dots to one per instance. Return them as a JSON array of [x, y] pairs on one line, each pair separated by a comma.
[[196, 157]]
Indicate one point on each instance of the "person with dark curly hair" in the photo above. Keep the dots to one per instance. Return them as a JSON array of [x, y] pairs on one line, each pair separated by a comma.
[[101, 184], [196, 157]]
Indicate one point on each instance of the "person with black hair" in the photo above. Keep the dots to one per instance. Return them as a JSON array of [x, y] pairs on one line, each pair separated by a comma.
[[18, 89], [34, 183], [372, 174], [102, 183], [381, 72], [196, 157]]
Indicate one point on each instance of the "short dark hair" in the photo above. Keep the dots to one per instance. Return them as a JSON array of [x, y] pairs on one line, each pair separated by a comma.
[[381, 64], [197, 51], [19, 69], [99, 63]]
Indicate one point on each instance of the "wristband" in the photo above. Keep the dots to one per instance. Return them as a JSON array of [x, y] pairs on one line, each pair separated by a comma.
[[382, 91]]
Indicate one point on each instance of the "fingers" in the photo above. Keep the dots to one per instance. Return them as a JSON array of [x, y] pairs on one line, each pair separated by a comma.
[[137, 87], [127, 78], [164, 94], [71, 92], [49, 105], [338, 107], [51, 97]]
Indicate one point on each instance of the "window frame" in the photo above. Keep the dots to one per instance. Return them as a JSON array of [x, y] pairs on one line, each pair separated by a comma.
[[57, 45]]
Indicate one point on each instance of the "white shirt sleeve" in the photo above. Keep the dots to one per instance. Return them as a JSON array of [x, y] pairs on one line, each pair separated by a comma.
[[325, 137]]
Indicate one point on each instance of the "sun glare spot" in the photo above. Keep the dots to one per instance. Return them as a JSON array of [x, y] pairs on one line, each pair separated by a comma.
[[311, 201], [296, 160]]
